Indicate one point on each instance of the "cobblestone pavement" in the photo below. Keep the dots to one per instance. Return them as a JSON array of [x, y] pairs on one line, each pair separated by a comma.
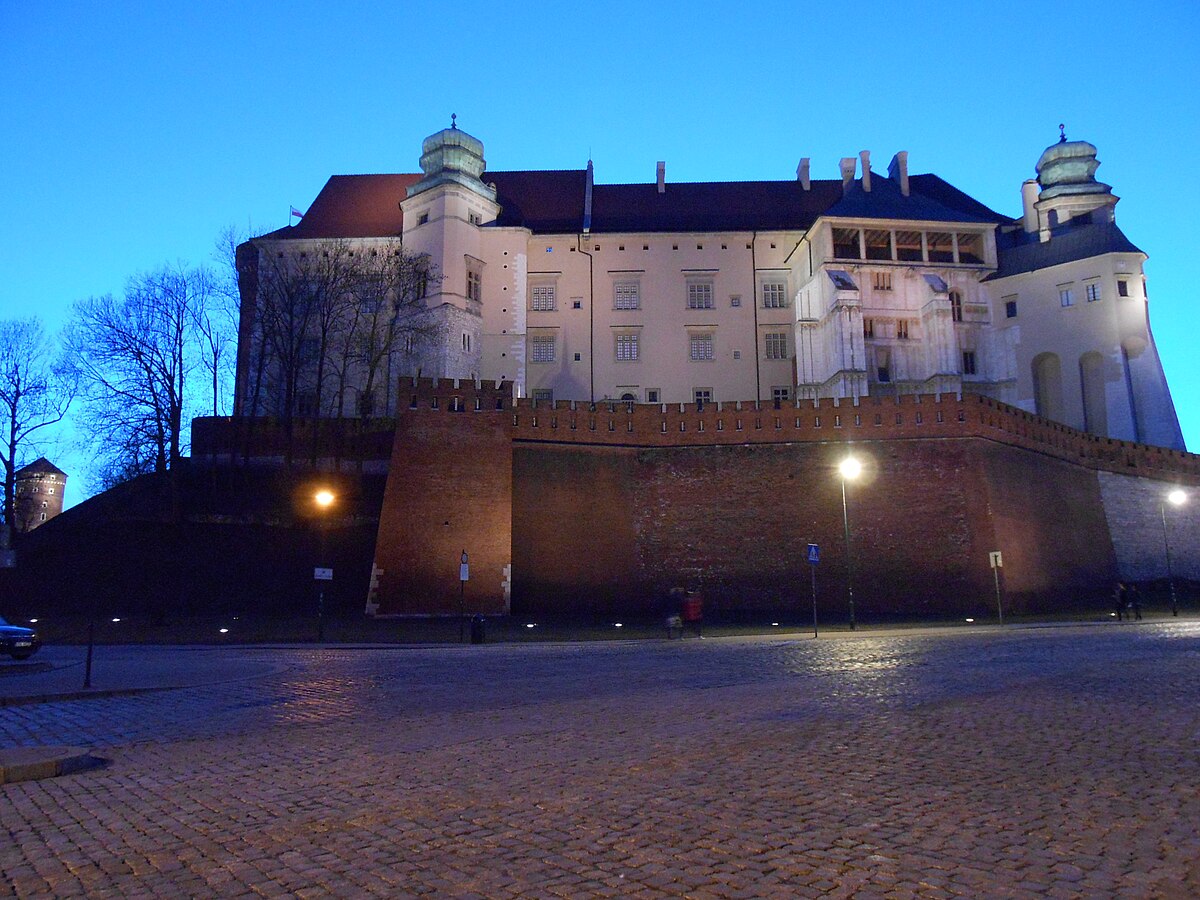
[[1056, 762]]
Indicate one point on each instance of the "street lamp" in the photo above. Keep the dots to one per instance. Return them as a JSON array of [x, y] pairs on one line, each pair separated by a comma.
[[849, 468], [1175, 498], [324, 499]]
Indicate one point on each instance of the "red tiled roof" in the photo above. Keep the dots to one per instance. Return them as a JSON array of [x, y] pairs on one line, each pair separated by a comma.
[[355, 206], [551, 202]]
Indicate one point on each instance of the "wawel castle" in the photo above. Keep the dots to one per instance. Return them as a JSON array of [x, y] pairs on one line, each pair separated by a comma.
[[877, 283]]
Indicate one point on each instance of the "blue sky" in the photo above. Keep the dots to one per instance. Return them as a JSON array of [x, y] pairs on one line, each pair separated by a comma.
[[134, 132]]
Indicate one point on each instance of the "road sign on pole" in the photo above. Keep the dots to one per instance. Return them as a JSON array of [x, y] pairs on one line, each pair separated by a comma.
[[997, 562], [814, 553]]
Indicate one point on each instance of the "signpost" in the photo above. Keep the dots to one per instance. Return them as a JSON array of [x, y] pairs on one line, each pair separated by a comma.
[[997, 562], [814, 557], [464, 575], [321, 574]]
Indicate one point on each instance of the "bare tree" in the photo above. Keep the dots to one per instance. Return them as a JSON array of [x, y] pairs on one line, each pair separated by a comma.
[[328, 318], [137, 357], [36, 389]]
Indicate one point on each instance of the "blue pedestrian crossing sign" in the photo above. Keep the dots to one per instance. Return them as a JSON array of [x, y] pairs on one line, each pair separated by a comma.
[[814, 553]]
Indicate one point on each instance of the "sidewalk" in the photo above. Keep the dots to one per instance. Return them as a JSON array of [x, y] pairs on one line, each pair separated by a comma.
[[57, 673]]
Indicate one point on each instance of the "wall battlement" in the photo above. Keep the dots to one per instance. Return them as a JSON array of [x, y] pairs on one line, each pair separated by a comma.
[[905, 417]]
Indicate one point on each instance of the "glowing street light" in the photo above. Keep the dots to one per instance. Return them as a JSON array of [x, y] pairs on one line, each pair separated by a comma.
[[849, 468], [1175, 498]]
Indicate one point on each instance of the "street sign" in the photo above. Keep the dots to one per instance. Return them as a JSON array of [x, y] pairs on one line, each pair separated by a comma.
[[464, 571], [814, 553], [320, 574], [996, 560]]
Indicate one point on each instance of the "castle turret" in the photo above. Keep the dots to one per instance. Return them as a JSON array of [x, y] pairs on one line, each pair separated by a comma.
[[1068, 189], [443, 214], [38, 493]]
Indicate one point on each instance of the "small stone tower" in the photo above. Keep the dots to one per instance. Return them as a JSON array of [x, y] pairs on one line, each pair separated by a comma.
[[443, 215], [38, 495]]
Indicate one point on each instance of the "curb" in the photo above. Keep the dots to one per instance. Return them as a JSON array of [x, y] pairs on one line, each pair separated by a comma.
[[34, 763]]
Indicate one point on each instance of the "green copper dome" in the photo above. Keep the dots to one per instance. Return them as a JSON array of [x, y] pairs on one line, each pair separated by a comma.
[[1069, 167], [452, 155]]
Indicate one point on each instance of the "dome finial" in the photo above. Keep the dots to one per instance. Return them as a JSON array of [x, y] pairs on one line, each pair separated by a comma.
[[454, 123], [1062, 133]]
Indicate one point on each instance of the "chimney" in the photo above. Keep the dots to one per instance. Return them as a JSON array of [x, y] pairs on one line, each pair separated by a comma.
[[802, 174], [848, 165], [898, 170], [661, 172], [1029, 196], [865, 156]]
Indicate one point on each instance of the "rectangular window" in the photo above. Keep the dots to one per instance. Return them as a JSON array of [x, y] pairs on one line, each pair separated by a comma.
[[882, 281], [546, 394], [777, 346], [956, 308], [1064, 295], [968, 362], [774, 295], [845, 244], [474, 284], [868, 328], [940, 246], [700, 295], [626, 295], [627, 347], [701, 346], [970, 248], [702, 396], [541, 349], [474, 219], [781, 395], [735, 300], [1122, 288], [1010, 307], [902, 329], [653, 395], [541, 297], [1092, 292]]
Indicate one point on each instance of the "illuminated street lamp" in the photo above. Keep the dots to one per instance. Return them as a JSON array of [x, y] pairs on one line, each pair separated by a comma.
[[849, 468], [324, 499], [1175, 498]]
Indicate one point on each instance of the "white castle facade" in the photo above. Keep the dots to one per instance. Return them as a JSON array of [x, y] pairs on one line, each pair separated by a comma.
[[778, 291]]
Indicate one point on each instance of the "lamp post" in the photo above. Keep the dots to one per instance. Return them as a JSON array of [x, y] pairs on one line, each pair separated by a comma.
[[849, 468], [1175, 498], [324, 499]]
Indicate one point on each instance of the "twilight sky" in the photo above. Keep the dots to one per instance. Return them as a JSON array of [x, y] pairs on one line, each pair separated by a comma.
[[134, 132]]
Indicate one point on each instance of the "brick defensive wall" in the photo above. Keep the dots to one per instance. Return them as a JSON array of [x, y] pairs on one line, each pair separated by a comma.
[[606, 506]]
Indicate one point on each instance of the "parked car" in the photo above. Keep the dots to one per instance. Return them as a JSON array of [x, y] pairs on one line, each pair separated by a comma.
[[18, 642]]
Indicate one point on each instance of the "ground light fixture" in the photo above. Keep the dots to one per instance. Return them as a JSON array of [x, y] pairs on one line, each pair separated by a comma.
[[849, 468], [1176, 497]]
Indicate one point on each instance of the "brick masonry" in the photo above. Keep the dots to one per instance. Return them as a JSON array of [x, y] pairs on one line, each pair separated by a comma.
[[606, 507]]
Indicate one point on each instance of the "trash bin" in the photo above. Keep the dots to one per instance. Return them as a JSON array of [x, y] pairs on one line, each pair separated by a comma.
[[477, 630]]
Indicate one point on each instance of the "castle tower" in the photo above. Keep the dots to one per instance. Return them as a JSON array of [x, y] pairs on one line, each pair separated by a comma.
[[38, 495], [1068, 189], [443, 215]]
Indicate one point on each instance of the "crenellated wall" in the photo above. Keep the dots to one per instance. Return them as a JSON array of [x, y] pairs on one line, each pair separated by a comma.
[[605, 507]]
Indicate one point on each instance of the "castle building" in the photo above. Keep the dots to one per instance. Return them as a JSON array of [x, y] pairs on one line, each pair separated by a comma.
[[868, 285], [38, 493]]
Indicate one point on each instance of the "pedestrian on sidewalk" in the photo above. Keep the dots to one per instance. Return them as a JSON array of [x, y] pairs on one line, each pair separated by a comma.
[[1135, 600], [1120, 599]]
